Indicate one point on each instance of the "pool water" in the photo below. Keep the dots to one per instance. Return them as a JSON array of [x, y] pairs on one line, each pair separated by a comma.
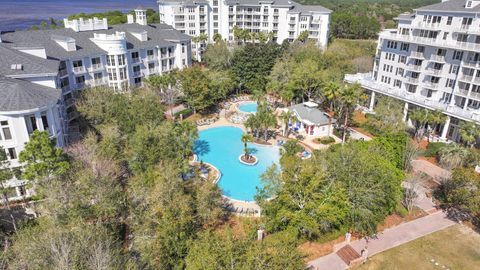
[[221, 147], [249, 107]]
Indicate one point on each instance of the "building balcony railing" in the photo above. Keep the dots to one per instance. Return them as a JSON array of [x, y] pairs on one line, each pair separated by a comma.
[[367, 82], [431, 85], [150, 57], [463, 92], [466, 78], [68, 102], [417, 55], [97, 82], [435, 42], [470, 63], [79, 69], [137, 73], [414, 67], [438, 58], [475, 95], [72, 115], [96, 67], [412, 80], [135, 60], [433, 71], [476, 80], [152, 71]]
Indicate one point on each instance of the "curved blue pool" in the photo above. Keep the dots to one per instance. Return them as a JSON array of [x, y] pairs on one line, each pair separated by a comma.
[[221, 147], [248, 107]]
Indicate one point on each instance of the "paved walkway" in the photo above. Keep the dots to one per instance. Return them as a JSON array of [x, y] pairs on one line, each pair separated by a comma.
[[433, 170], [387, 239]]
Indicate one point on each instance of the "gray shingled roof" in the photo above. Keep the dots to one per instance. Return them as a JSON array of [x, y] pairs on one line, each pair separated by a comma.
[[309, 8], [313, 115], [158, 35], [450, 6], [20, 95], [30, 64], [184, 2]]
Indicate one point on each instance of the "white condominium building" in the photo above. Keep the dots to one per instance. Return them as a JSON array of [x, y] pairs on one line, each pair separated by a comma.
[[285, 19], [42, 71], [432, 60]]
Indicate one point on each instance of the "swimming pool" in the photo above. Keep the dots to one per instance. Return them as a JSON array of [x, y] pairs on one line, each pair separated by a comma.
[[221, 147], [248, 107]]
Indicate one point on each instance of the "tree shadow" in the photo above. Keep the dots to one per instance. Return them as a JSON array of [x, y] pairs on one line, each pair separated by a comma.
[[201, 147]]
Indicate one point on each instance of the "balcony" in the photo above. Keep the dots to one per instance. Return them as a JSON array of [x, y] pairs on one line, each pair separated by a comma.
[[72, 115], [463, 92], [79, 69], [476, 80], [367, 82], [412, 80], [97, 82], [470, 63], [466, 78], [150, 57], [414, 67], [96, 67], [152, 71], [433, 71], [431, 85], [79, 86], [419, 55], [68, 102], [435, 42], [135, 60], [438, 58], [137, 73]]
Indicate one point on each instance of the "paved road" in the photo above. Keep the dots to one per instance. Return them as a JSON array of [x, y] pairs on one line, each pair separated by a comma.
[[389, 238]]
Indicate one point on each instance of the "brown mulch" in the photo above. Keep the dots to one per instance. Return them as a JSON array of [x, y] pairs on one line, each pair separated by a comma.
[[313, 250], [262, 142], [250, 159], [395, 219]]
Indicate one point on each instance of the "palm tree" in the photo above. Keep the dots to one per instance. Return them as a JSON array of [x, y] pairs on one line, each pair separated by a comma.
[[253, 124], [469, 132], [331, 92], [348, 98], [287, 117], [217, 37], [436, 118], [453, 155], [246, 138], [420, 118]]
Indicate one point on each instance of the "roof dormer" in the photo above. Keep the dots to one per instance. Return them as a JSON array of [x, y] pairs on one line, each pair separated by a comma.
[[139, 34], [67, 43], [472, 3]]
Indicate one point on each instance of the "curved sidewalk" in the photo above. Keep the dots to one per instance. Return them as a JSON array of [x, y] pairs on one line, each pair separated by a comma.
[[387, 239]]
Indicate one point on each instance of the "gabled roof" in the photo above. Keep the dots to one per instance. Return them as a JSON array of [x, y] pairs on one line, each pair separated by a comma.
[[158, 35], [311, 114], [303, 9], [20, 95], [450, 6], [30, 64]]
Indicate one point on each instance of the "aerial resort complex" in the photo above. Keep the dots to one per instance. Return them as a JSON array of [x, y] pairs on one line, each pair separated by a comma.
[[241, 134]]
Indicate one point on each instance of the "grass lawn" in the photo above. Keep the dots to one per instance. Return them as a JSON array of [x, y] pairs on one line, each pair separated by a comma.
[[457, 247]]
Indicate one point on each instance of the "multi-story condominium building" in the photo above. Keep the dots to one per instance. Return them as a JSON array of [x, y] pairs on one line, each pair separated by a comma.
[[42, 71], [283, 18], [431, 60]]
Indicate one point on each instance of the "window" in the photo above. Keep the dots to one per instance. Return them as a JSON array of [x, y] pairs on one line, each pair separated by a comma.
[[149, 52], [96, 61], [445, 35], [12, 154], [191, 10], [44, 121], [405, 47], [110, 60], [151, 66], [121, 59], [80, 79], [135, 55], [123, 73], [449, 20], [97, 76], [454, 69], [112, 74], [7, 135], [77, 63], [457, 55]]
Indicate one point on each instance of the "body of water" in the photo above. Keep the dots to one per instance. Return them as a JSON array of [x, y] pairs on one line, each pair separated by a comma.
[[222, 147], [21, 14], [248, 107]]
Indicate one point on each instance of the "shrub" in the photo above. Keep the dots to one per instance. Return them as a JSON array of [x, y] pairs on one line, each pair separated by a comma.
[[185, 113], [325, 140], [433, 148]]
